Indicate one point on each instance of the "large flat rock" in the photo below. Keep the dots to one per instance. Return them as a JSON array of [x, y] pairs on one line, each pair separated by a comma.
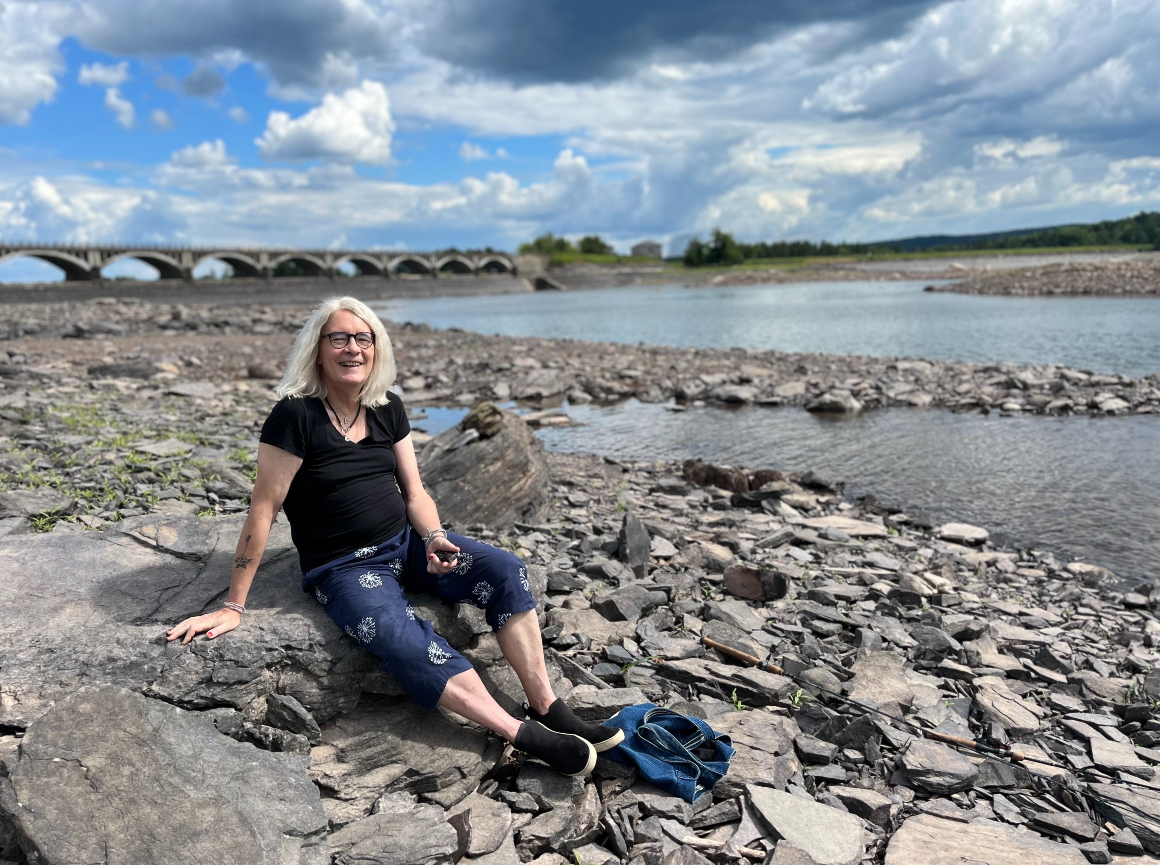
[[110, 776], [830, 836], [93, 607], [929, 840]]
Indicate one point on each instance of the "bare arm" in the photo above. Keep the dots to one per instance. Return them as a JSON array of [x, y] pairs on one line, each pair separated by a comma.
[[421, 510], [276, 469]]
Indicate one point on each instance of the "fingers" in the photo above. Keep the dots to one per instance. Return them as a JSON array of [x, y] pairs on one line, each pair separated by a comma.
[[214, 624]]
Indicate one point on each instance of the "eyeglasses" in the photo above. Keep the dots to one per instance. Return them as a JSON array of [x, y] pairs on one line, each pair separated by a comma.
[[339, 339]]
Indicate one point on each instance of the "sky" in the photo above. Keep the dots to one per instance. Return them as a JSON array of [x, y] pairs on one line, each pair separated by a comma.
[[425, 124]]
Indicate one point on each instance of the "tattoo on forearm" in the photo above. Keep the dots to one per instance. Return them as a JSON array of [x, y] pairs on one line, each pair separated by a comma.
[[242, 560]]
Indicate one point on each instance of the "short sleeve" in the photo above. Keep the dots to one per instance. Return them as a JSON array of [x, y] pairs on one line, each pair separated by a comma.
[[286, 427], [395, 417]]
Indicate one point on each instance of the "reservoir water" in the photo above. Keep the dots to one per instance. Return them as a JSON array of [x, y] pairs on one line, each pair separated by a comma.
[[1104, 334], [1086, 487]]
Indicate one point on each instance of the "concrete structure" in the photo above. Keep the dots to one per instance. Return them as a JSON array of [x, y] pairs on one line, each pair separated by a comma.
[[82, 263], [648, 249]]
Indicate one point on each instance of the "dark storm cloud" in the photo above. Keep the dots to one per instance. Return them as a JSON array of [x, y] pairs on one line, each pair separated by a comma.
[[564, 40], [296, 39], [204, 82]]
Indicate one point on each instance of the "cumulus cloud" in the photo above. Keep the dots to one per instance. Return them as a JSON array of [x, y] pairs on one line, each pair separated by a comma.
[[469, 151], [160, 120], [204, 82], [120, 107], [353, 126], [561, 40], [299, 41], [238, 114], [104, 75], [29, 60], [204, 155]]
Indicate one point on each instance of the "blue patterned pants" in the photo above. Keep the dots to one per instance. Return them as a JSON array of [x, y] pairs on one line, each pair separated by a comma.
[[363, 593]]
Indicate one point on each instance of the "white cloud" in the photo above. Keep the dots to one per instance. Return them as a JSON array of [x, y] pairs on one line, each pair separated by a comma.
[[1006, 151], [160, 120], [121, 108], [204, 155], [469, 152], [29, 60], [238, 114], [104, 75], [354, 126]]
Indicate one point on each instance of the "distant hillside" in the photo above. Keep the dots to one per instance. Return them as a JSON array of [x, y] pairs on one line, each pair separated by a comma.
[[1143, 229]]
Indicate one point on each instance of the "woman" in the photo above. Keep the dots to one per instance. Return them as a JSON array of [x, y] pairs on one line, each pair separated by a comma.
[[336, 454]]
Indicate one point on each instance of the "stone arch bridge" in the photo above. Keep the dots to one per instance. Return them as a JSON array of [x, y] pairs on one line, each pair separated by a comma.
[[85, 263]]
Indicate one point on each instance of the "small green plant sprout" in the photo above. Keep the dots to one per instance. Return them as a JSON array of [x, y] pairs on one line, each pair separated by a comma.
[[206, 512], [799, 697], [737, 704]]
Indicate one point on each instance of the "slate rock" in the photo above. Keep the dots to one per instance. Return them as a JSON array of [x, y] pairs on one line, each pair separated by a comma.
[[830, 836], [929, 840], [881, 677], [1124, 807], [34, 502], [936, 768], [1000, 705], [490, 822], [496, 480], [1070, 823], [1125, 841], [288, 714], [549, 788], [107, 775], [962, 533], [418, 836], [868, 804], [754, 582], [634, 548], [390, 745], [599, 706]]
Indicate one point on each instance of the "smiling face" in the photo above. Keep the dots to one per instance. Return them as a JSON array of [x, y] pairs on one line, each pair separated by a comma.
[[345, 369]]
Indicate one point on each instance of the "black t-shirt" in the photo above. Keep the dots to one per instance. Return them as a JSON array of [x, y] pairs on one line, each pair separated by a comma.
[[344, 496]]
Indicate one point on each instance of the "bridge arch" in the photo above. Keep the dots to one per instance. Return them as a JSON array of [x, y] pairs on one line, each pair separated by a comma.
[[455, 264], [365, 264], [410, 264], [166, 267], [309, 265], [494, 264], [75, 269], [243, 265]]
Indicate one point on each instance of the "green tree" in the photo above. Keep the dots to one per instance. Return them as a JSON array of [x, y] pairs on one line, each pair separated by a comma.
[[695, 253], [547, 244], [593, 244], [724, 249]]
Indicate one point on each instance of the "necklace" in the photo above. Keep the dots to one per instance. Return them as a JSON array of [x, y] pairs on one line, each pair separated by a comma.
[[346, 424]]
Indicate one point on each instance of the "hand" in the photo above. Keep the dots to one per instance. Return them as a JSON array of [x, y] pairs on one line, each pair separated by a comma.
[[216, 623], [434, 566]]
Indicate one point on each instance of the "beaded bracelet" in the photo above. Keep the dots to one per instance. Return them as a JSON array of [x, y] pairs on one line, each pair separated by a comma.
[[431, 535], [237, 608]]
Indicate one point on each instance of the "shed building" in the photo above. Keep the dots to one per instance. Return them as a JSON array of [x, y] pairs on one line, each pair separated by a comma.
[[648, 249]]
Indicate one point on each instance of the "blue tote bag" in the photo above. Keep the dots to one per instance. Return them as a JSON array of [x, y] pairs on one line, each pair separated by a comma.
[[677, 753]]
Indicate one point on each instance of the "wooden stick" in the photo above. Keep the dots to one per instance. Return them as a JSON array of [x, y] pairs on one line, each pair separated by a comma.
[[742, 656], [1017, 756]]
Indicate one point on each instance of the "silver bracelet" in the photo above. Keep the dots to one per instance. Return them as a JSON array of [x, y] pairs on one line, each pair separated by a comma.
[[431, 535], [237, 608]]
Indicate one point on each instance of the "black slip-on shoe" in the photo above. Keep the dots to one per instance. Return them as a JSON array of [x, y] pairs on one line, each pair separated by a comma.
[[567, 754], [563, 720]]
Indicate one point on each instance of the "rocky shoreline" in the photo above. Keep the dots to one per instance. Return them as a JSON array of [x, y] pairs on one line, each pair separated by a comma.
[[119, 340], [127, 453], [1135, 278], [633, 565]]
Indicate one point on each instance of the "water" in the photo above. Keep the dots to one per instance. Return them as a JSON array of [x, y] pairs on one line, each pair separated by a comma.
[[1058, 483], [883, 319], [1088, 487]]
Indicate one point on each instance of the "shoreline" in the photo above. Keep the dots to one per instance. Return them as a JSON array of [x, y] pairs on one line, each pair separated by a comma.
[[459, 367], [1033, 274], [144, 443]]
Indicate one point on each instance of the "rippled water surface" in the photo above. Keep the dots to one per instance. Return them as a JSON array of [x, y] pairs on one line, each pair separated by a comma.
[[1087, 487], [867, 318]]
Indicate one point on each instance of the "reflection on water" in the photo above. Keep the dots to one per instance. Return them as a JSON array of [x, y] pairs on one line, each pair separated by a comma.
[[1087, 487], [883, 319]]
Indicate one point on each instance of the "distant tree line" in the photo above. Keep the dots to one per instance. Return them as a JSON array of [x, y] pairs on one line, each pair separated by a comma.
[[1143, 229], [724, 249], [549, 244]]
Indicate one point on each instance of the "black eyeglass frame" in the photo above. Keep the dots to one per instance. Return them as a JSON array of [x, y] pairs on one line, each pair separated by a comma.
[[347, 337]]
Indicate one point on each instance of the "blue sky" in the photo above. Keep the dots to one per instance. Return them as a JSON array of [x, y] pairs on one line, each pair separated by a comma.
[[415, 124]]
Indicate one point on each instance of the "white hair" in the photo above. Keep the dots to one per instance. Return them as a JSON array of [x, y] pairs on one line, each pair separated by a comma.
[[302, 378]]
